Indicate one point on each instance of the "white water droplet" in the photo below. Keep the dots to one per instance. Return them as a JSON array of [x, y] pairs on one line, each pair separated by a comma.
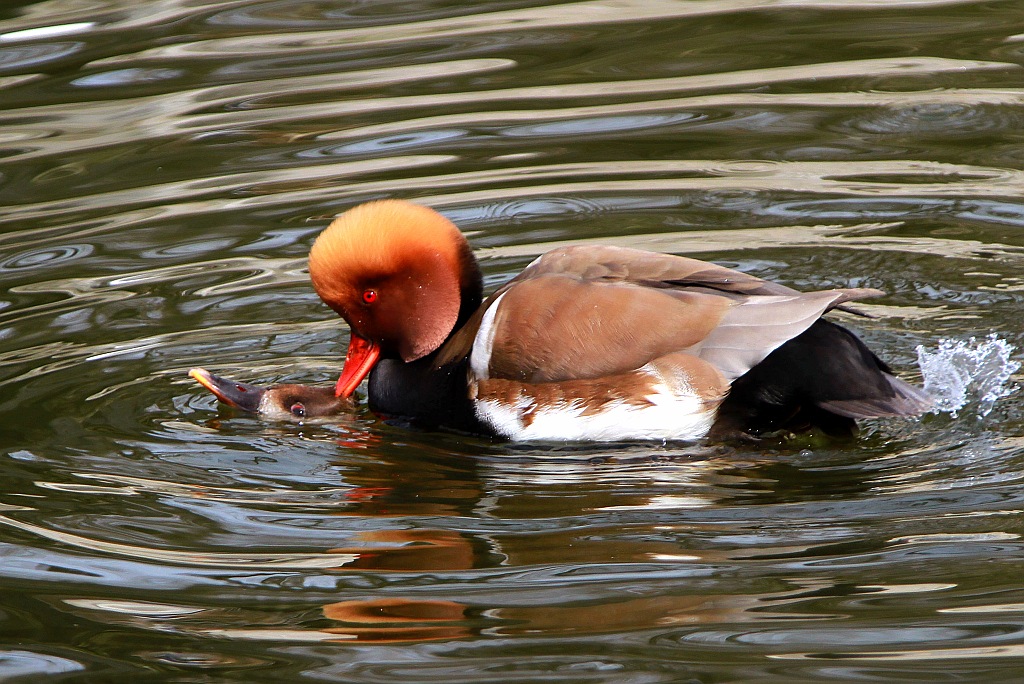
[[959, 371]]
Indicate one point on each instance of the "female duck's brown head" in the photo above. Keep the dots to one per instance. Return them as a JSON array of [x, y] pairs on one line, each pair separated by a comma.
[[296, 402], [401, 275]]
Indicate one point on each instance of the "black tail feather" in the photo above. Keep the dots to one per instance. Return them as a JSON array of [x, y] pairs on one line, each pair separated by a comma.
[[906, 401], [824, 378]]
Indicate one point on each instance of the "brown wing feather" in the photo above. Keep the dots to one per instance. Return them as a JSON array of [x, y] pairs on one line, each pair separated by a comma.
[[557, 327], [610, 263], [592, 310]]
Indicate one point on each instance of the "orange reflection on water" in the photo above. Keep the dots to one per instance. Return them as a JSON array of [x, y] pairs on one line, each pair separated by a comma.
[[410, 550], [397, 619]]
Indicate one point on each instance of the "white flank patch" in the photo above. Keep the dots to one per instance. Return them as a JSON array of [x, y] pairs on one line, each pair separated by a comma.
[[671, 415], [483, 343]]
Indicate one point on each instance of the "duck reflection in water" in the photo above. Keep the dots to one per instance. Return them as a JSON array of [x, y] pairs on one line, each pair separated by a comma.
[[396, 492], [415, 491], [407, 619]]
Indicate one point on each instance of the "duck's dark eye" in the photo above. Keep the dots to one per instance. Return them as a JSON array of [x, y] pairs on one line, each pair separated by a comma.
[[298, 409], [369, 296]]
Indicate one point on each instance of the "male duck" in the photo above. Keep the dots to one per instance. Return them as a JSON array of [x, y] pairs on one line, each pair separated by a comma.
[[588, 342]]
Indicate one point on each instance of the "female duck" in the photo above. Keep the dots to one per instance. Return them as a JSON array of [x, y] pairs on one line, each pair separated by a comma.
[[588, 342], [280, 402]]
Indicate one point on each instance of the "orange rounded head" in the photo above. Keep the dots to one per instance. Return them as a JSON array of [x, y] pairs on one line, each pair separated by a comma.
[[397, 272]]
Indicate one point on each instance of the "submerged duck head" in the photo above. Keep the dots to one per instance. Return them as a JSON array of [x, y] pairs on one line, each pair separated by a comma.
[[401, 275], [277, 402]]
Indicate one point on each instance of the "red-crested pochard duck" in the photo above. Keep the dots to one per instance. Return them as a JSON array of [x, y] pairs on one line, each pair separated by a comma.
[[295, 402], [588, 342]]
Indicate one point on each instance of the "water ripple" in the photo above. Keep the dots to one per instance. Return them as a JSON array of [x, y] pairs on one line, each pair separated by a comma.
[[577, 14], [211, 109], [35, 55], [20, 663], [223, 561], [938, 118], [877, 178], [40, 258], [194, 188]]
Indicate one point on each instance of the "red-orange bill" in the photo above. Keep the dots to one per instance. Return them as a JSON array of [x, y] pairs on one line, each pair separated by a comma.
[[361, 358]]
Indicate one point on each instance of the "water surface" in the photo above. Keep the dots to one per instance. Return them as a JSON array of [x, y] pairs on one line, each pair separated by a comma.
[[164, 168]]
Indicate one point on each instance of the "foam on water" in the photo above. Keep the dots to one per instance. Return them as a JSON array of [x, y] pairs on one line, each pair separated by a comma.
[[959, 371]]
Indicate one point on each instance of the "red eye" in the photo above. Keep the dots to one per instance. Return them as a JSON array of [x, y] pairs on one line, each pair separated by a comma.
[[369, 296]]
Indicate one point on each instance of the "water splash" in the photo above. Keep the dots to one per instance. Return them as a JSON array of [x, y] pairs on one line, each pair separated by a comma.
[[961, 370]]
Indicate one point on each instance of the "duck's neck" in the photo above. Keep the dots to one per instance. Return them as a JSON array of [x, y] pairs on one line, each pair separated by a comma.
[[471, 286], [423, 395]]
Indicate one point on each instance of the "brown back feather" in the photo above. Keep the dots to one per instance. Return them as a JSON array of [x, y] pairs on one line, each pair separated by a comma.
[[592, 310]]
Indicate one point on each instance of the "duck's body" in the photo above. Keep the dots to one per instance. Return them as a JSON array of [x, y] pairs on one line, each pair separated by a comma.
[[588, 343]]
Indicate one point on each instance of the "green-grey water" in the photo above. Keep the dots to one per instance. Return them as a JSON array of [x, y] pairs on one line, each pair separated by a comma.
[[164, 168]]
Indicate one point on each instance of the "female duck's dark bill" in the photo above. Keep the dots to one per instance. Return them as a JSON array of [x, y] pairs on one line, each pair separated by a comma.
[[238, 394]]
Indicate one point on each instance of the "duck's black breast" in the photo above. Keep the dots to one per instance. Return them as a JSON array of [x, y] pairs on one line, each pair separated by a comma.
[[425, 396]]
